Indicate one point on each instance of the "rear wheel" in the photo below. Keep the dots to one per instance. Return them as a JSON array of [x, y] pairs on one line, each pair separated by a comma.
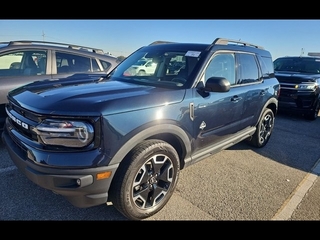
[[145, 180], [264, 129]]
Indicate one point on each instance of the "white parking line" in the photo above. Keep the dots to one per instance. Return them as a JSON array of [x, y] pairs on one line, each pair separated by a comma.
[[2, 170], [287, 209]]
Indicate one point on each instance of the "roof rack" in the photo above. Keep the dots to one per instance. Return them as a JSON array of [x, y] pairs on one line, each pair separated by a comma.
[[225, 41], [159, 42], [314, 54], [26, 42]]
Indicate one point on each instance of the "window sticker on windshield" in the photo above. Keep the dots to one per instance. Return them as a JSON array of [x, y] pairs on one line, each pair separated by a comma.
[[192, 54]]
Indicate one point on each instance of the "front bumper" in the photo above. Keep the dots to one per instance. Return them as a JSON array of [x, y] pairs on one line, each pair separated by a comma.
[[299, 102], [79, 186]]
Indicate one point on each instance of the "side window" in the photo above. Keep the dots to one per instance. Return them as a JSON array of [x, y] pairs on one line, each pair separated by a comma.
[[249, 71], [81, 64], [64, 64], [95, 66], [42, 63], [70, 63], [23, 63], [222, 65], [267, 67], [10, 64], [106, 65]]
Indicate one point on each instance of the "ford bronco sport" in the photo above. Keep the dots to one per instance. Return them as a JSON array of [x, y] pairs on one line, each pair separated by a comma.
[[123, 139]]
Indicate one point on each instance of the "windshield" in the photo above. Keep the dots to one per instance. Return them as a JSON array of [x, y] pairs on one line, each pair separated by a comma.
[[295, 64], [141, 62], [157, 67]]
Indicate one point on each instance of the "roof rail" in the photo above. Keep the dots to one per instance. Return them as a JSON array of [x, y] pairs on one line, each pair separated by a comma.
[[225, 41], [73, 46], [159, 42], [314, 54]]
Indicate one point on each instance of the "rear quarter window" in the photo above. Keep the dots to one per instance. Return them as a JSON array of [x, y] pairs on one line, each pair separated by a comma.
[[267, 66], [106, 65]]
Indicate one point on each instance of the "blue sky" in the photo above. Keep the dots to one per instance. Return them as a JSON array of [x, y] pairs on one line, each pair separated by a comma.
[[122, 37]]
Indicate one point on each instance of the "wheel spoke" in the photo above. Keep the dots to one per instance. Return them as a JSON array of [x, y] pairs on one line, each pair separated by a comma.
[[152, 181], [166, 173], [266, 128]]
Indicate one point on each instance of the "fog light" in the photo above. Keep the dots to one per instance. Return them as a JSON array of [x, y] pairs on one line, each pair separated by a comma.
[[78, 182]]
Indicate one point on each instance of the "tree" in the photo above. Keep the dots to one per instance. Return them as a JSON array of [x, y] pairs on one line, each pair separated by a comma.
[[121, 58]]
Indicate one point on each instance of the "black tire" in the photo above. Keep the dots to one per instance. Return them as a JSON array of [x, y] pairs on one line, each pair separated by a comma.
[[264, 129], [313, 114], [145, 180]]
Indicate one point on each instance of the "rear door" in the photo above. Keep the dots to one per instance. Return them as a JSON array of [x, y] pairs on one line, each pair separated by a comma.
[[251, 83]]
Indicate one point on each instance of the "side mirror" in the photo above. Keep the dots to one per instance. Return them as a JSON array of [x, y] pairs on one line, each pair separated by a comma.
[[217, 84]]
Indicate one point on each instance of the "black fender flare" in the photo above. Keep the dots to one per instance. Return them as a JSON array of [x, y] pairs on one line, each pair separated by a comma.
[[270, 101], [146, 133]]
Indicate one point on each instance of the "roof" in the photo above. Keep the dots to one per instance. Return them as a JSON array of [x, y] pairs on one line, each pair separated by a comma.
[[51, 44]]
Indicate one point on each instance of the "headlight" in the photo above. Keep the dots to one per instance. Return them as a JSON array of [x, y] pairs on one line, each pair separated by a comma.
[[65, 133], [306, 86]]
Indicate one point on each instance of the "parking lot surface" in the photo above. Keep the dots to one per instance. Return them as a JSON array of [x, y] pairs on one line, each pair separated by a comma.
[[277, 182]]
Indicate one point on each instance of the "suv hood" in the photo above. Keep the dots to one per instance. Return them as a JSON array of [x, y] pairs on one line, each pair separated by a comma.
[[294, 77], [115, 96]]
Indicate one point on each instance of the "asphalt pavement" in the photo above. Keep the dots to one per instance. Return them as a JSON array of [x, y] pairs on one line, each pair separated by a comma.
[[279, 182]]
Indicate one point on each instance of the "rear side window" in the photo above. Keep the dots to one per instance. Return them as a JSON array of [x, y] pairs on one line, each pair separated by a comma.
[[106, 65], [68, 63], [95, 66], [249, 71], [267, 67]]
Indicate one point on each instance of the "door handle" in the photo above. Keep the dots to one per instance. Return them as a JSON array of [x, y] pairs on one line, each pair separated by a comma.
[[236, 99]]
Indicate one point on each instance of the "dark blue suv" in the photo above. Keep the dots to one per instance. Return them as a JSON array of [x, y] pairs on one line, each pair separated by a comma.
[[124, 138]]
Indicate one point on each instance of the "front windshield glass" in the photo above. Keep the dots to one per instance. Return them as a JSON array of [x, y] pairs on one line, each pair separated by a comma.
[[305, 65], [157, 67]]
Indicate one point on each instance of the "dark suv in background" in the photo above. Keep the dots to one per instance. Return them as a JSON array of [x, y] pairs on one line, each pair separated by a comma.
[[22, 62], [125, 138], [299, 78]]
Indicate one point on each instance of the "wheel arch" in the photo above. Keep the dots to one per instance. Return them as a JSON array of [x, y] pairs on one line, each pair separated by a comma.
[[272, 104], [169, 133]]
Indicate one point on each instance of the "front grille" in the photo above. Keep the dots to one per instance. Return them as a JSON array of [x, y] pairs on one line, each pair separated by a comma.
[[292, 79], [288, 87], [288, 91], [23, 121], [33, 117]]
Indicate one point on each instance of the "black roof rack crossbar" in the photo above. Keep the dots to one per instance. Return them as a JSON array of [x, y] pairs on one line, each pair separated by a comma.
[[21, 42], [225, 41]]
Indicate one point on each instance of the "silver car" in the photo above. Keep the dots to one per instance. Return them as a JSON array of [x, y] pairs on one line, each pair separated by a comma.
[[22, 62]]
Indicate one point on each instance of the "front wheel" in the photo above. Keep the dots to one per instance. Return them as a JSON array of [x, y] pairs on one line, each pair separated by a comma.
[[145, 180], [313, 114], [264, 129]]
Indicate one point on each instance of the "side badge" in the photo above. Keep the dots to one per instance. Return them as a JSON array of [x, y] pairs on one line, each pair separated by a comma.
[[202, 125]]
